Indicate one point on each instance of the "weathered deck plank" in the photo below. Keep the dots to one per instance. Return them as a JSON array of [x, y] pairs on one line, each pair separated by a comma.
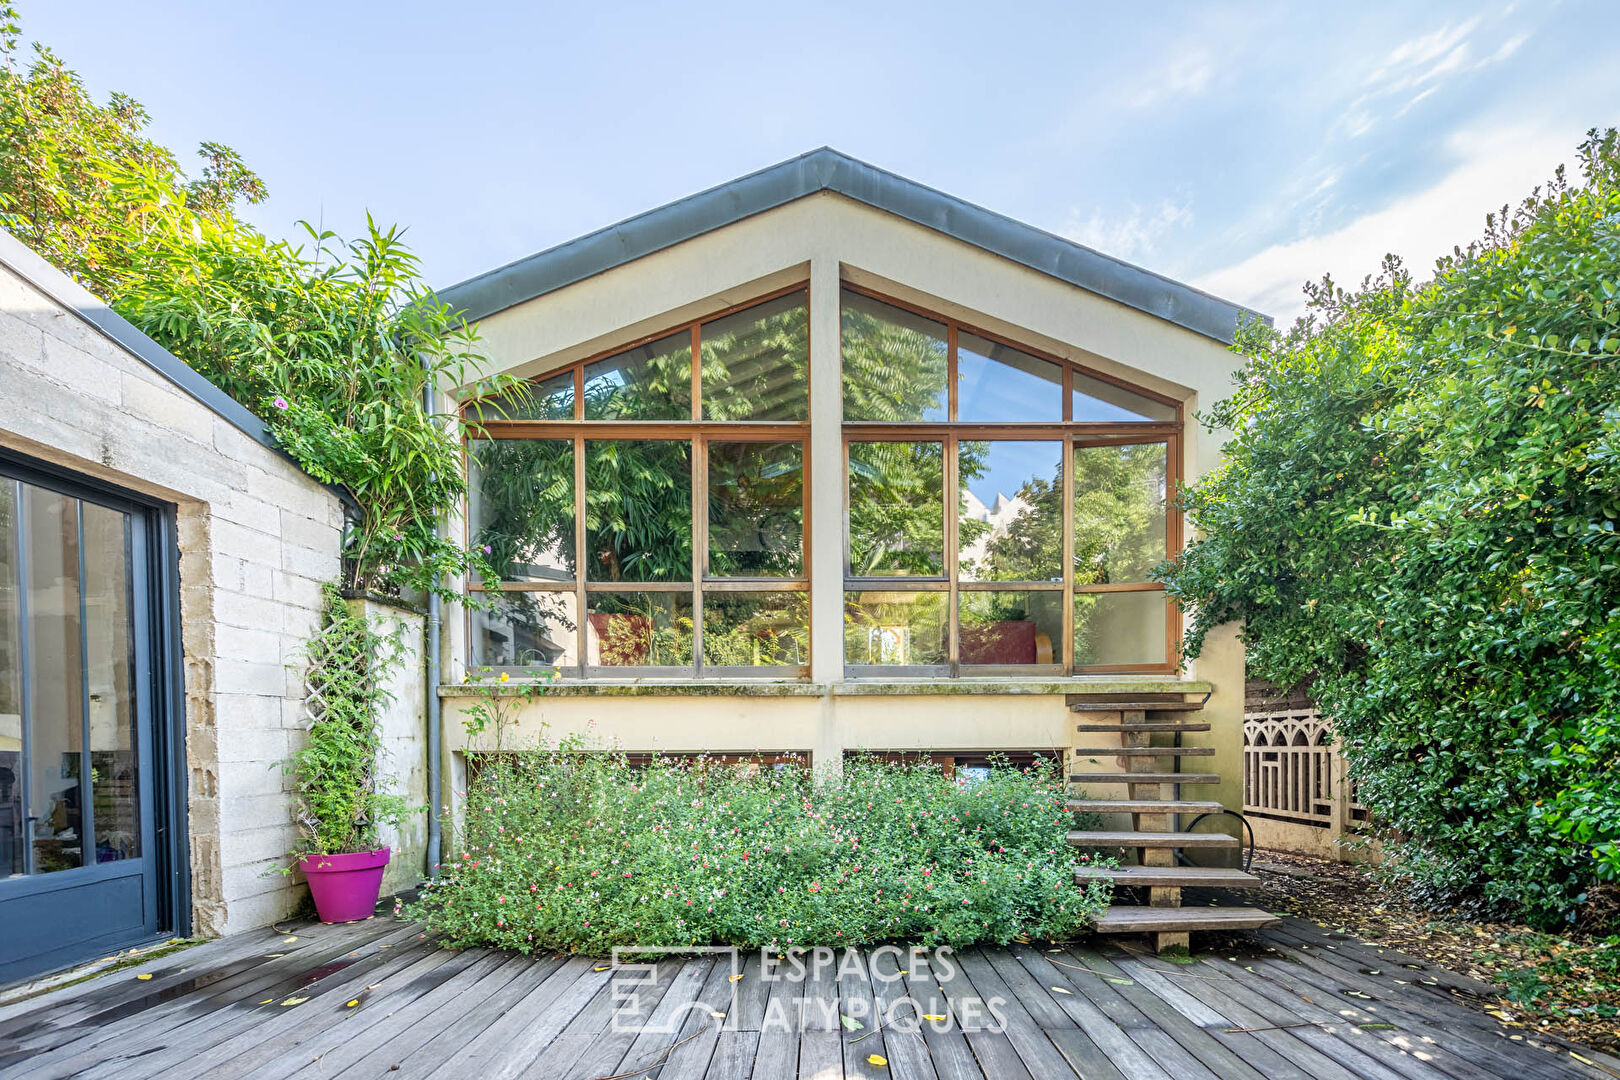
[[1325, 1006]]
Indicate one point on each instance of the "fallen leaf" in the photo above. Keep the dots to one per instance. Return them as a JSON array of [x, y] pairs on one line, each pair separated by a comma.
[[267, 1001], [935, 1017], [876, 1059], [1120, 982], [601, 967], [274, 955], [1060, 990], [718, 1015], [295, 1001], [353, 1003], [849, 1022], [734, 978], [289, 939], [144, 978]]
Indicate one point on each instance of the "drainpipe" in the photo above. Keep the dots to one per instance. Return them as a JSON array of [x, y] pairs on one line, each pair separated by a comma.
[[432, 677]]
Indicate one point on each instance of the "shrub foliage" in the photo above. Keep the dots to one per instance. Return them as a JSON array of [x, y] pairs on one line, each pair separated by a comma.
[[1417, 515], [579, 851]]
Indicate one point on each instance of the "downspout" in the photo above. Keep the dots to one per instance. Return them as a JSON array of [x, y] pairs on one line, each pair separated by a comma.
[[432, 672]]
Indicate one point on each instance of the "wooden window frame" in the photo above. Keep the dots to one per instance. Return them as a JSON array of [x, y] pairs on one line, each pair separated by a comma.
[[1069, 434], [698, 434]]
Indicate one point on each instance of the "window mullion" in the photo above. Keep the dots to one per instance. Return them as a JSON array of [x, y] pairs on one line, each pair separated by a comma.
[[581, 609], [700, 532], [1068, 553], [952, 499]]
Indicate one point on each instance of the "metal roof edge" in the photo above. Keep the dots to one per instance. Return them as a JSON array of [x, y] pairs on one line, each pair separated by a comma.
[[826, 169]]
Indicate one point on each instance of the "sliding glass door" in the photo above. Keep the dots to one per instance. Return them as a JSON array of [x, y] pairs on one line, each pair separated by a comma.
[[77, 843]]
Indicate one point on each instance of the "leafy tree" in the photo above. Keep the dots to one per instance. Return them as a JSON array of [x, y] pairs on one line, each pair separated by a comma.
[[61, 154], [330, 346], [1418, 516]]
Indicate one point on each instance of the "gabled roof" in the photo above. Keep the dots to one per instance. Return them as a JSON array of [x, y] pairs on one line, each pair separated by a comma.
[[828, 170]]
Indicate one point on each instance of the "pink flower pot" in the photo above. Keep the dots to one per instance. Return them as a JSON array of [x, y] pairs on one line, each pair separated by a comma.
[[345, 887]]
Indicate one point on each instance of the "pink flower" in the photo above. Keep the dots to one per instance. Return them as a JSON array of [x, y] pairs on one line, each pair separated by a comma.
[[280, 403]]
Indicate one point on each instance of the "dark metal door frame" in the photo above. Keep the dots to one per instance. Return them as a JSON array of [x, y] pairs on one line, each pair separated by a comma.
[[158, 688]]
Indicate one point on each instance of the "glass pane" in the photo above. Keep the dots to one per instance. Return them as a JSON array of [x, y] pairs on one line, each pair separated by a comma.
[[999, 384], [520, 506], [110, 663], [756, 509], [756, 629], [527, 629], [1010, 511], [56, 717], [650, 382], [896, 509], [638, 510], [1005, 628], [1119, 628], [755, 362], [1100, 402], [13, 838], [894, 362], [639, 630], [1119, 512], [550, 398], [892, 628]]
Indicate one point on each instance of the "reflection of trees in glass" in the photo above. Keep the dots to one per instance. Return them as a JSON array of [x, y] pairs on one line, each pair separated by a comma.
[[638, 510], [755, 629], [524, 510], [642, 629], [650, 382], [1119, 512], [755, 362], [896, 509], [756, 509], [894, 363]]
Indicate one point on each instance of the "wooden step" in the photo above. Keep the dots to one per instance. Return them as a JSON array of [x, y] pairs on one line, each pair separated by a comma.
[[1126, 919], [1144, 778], [1136, 706], [1188, 877], [1144, 751], [1105, 839], [1168, 725], [1145, 806]]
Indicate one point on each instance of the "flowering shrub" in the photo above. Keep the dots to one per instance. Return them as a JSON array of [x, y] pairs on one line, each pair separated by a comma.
[[580, 851]]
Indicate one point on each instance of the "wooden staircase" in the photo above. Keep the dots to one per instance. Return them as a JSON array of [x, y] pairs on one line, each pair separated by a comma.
[[1153, 801]]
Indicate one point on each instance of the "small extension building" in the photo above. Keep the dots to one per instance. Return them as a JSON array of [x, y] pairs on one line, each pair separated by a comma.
[[824, 462]]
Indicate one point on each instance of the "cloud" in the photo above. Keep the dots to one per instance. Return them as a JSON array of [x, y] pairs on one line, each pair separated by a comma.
[[1186, 74], [1496, 169], [1133, 235], [1422, 64]]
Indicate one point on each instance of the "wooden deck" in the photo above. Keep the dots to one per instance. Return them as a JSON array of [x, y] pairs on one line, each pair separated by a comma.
[[376, 999]]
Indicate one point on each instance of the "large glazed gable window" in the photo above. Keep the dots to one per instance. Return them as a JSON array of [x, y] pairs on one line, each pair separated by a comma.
[[647, 517], [1060, 483]]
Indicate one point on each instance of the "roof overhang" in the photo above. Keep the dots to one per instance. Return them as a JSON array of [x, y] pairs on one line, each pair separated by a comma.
[[828, 170]]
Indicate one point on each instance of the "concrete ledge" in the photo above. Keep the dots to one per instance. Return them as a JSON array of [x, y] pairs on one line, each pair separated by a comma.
[[762, 688]]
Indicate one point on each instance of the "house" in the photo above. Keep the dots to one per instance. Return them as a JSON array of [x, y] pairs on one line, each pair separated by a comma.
[[161, 564], [823, 462]]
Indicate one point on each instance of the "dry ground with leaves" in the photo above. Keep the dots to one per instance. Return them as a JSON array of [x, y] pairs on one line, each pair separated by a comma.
[[1567, 984]]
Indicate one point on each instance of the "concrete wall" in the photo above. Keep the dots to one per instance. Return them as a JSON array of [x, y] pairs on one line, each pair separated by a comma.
[[826, 239], [257, 538]]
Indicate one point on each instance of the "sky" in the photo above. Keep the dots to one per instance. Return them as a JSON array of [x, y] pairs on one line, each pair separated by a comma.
[[1243, 148]]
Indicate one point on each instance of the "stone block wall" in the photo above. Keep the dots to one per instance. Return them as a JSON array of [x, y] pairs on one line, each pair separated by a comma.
[[257, 539]]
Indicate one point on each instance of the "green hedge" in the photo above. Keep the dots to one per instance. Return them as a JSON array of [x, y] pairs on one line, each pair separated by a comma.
[[581, 852], [1417, 516]]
